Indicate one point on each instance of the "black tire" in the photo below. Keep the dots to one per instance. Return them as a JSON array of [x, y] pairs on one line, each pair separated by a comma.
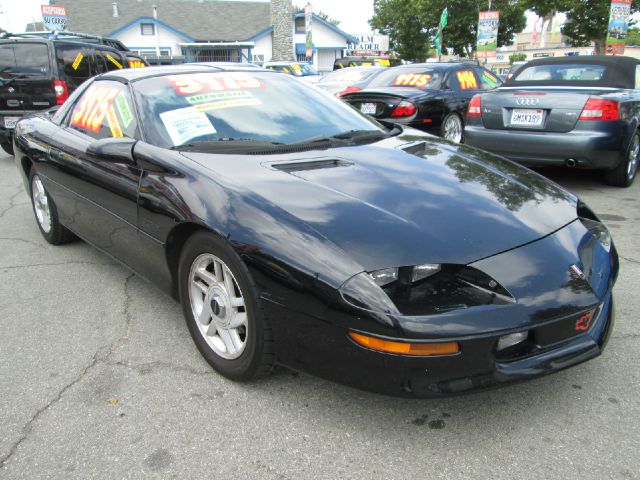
[[257, 357], [7, 146], [455, 120], [625, 173], [53, 232]]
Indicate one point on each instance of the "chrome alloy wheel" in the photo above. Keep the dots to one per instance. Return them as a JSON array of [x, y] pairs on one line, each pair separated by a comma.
[[634, 151], [41, 204], [218, 306], [453, 129]]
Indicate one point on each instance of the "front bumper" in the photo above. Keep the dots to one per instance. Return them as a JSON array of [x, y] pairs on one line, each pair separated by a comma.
[[333, 355], [595, 149]]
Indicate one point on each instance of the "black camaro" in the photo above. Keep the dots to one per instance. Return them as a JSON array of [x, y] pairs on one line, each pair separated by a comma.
[[431, 96], [582, 112], [295, 231]]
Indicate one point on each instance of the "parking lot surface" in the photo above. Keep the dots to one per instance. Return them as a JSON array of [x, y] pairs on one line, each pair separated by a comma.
[[100, 379]]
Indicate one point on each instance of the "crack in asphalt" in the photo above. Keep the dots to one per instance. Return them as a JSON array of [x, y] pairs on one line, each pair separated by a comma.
[[95, 359], [29, 242], [630, 260], [12, 201], [71, 262], [149, 367]]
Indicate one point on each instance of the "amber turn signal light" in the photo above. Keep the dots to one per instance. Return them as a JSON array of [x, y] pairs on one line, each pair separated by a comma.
[[405, 348]]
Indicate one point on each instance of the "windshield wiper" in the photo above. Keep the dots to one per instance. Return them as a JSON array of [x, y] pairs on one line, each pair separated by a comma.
[[219, 142], [353, 134]]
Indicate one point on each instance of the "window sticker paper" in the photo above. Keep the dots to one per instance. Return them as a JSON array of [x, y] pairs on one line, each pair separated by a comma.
[[184, 124], [191, 83], [77, 61], [412, 80], [92, 107], [114, 126], [218, 100], [123, 109], [467, 80], [114, 61]]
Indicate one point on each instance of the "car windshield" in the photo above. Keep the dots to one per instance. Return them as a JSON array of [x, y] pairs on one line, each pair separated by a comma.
[[417, 77], [220, 107], [565, 72], [303, 69], [350, 75], [29, 59]]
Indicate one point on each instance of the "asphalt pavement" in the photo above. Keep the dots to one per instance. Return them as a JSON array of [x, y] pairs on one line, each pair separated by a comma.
[[99, 379]]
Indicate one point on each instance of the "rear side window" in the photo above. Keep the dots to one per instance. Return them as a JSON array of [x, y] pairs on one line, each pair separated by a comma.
[[73, 63], [487, 80], [30, 59], [561, 72], [105, 110], [465, 79], [105, 61]]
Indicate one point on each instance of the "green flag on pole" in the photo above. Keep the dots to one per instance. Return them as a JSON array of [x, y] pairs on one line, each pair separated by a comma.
[[437, 43], [443, 18]]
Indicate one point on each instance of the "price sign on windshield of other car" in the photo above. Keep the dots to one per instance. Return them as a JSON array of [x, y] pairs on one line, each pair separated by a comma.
[[412, 80], [467, 80]]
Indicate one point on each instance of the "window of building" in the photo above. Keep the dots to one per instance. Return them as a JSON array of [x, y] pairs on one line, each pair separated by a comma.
[[299, 25], [147, 29]]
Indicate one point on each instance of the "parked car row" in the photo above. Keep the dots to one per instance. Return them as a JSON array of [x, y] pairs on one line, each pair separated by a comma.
[[581, 112]]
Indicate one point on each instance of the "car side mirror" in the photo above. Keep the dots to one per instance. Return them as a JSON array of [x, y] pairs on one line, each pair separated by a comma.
[[113, 149]]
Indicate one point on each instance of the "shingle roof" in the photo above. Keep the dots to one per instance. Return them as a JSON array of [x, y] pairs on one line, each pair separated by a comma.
[[202, 20]]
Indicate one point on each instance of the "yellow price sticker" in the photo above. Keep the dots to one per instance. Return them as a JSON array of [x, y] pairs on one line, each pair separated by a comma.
[[77, 61], [114, 61]]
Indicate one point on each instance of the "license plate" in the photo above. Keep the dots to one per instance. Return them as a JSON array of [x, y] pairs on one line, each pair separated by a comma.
[[527, 117], [368, 108], [10, 122]]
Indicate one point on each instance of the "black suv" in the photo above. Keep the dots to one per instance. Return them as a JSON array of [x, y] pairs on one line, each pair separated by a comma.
[[37, 73]]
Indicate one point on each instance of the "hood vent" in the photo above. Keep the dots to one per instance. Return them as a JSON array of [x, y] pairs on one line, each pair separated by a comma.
[[304, 166], [415, 148]]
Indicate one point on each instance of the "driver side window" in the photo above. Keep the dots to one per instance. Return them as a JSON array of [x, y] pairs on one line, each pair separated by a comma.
[[105, 110]]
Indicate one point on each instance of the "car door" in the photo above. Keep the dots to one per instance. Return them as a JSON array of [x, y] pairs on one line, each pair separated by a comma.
[[99, 195]]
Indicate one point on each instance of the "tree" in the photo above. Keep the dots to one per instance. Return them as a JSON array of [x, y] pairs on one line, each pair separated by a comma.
[[412, 24], [633, 36], [517, 57], [587, 20]]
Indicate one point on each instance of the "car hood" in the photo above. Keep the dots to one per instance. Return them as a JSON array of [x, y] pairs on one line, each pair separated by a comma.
[[405, 200]]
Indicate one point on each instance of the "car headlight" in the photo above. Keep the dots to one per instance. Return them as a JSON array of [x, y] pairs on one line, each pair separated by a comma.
[[425, 289], [387, 275], [595, 226]]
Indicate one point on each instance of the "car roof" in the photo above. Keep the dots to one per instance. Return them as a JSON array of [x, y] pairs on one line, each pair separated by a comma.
[[620, 71], [439, 65], [135, 74], [66, 40], [616, 60]]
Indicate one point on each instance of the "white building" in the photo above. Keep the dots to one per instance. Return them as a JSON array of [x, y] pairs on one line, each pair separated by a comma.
[[170, 31]]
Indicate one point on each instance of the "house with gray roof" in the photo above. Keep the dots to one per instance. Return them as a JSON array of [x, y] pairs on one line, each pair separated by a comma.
[[170, 31]]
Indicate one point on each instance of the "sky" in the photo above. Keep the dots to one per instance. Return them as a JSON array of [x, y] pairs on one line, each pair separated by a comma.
[[352, 14]]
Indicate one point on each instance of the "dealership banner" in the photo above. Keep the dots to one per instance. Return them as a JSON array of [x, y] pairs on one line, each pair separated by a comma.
[[487, 42], [308, 15], [618, 25], [54, 17]]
